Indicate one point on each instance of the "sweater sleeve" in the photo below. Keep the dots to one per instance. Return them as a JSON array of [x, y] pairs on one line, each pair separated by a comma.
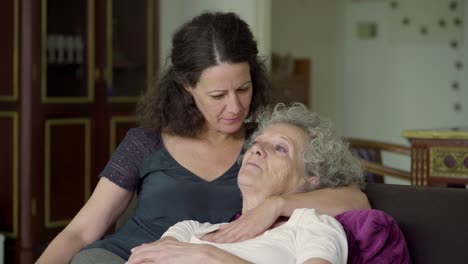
[[320, 236], [124, 167], [183, 231]]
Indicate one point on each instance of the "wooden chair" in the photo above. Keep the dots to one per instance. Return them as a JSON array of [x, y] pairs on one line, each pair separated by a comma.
[[370, 151]]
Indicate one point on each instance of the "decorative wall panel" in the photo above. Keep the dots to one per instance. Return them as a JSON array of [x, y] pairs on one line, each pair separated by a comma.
[[67, 168], [119, 125], [9, 51], [9, 173]]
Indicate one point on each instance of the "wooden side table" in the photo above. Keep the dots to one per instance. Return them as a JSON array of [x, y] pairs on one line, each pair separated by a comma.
[[438, 156]]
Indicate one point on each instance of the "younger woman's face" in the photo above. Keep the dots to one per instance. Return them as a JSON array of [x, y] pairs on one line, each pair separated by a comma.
[[223, 94]]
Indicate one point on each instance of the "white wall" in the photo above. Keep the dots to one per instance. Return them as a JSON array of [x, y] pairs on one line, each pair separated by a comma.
[[386, 85], [374, 88], [174, 13], [371, 88], [306, 29]]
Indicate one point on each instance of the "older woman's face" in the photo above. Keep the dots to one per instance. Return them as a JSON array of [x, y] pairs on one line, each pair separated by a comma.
[[275, 164]]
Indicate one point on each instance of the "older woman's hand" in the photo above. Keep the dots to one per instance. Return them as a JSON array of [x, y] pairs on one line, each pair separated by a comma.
[[165, 250], [250, 224], [168, 250]]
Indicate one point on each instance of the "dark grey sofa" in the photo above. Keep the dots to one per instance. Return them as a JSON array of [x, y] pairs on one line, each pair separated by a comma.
[[434, 220]]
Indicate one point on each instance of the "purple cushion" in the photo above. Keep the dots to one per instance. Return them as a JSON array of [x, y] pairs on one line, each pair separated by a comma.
[[373, 237]]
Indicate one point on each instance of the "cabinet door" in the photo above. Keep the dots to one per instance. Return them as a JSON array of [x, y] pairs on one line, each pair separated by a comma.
[[67, 53], [97, 58], [84, 65], [64, 116], [9, 116], [129, 65], [131, 50], [9, 51]]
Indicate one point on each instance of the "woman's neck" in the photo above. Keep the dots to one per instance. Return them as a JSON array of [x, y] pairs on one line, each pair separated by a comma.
[[216, 137], [251, 200], [212, 137]]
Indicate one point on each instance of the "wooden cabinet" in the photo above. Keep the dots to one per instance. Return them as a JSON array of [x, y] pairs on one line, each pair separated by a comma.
[[9, 120], [291, 83], [70, 76], [439, 157]]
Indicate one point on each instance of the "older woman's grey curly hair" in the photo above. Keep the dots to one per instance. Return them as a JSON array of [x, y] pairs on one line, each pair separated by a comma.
[[326, 156]]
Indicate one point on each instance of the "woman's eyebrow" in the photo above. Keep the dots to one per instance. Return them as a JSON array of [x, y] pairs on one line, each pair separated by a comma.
[[224, 90], [288, 140]]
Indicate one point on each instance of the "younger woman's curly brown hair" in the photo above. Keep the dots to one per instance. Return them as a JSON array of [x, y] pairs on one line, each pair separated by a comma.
[[207, 40]]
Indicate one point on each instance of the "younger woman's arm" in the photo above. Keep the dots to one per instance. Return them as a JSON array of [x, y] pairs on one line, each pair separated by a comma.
[[105, 205], [330, 201]]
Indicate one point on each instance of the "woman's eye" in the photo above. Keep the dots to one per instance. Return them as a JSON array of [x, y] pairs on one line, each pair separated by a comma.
[[219, 96], [243, 90], [280, 149]]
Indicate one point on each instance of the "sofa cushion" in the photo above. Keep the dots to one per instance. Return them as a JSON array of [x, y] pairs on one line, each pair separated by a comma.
[[373, 237], [433, 220]]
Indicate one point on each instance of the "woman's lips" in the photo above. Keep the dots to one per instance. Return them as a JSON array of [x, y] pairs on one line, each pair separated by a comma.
[[253, 164], [231, 120]]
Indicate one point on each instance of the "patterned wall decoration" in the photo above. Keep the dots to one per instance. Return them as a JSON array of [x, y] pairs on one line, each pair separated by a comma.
[[432, 21], [426, 21]]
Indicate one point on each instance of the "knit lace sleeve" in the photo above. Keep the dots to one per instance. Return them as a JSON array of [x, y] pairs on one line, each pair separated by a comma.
[[124, 167]]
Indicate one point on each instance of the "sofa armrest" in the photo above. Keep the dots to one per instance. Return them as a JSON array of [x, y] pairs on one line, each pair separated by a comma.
[[434, 220]]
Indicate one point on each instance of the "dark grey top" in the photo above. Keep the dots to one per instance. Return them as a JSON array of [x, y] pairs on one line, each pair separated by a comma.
[[167, 192]]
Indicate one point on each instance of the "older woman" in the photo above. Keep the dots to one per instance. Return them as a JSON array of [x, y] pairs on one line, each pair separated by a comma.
[[293, 150]]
